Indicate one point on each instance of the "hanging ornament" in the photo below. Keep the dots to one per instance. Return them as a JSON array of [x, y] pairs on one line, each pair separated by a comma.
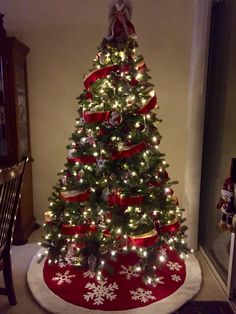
[[81, 120], [71, 153], [62, 180], [101, 163], [102, 58], [90, 140], [115, 118], [105, 194]]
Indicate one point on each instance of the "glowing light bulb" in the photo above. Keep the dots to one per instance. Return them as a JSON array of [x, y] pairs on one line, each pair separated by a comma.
[[162, 258]]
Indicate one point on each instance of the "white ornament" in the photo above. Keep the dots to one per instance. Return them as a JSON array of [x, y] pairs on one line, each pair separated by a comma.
[[81, 120], [71, 152], [129, 271], [175, 278], [101, 292], [142, 295], [115, 118], [100, 163], [63, 277], [174, 266]]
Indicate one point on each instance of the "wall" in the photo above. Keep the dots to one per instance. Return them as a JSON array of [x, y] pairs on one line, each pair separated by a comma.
[[63, 36]]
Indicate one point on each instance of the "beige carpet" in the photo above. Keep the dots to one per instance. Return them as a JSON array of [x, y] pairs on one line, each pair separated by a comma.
[[21, 258]]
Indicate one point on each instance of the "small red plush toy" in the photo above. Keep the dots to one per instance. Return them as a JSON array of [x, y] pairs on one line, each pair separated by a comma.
[[226, 204]]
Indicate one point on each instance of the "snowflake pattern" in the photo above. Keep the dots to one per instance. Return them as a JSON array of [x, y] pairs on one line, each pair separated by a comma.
[[67, 261], [89, 274], [174, 266], [163, 252], [129, 272], [101, 292], [63, 277], [142, 295], [175, 278]]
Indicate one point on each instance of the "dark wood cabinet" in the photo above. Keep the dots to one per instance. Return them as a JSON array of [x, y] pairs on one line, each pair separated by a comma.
[[14, 124]]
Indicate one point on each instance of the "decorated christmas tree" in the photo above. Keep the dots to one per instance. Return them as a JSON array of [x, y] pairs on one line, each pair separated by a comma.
[[114, 196]]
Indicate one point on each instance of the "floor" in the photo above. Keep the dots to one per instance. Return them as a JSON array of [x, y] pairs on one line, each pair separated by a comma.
[[22, 255]]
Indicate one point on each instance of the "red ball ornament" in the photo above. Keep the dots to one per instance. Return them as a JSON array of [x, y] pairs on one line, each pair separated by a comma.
[[133, 82]]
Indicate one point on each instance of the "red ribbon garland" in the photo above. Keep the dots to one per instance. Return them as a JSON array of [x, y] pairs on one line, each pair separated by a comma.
[[93, 117], [130, 151], [151, 104], [169, 228], [86, 160], [80, 197], [97, 74], [115, 199], [79, 229]]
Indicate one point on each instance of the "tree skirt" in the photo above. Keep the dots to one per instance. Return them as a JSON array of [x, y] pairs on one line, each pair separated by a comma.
[[64, 288]]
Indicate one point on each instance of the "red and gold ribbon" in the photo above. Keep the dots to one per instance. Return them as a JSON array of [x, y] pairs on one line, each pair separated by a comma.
[[144, 240], [75, 196], [130, 151]]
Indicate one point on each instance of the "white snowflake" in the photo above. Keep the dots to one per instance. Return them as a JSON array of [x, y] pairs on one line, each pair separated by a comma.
[[101, 291], [129, 271], [175, 278], [68, 261], [174, 266], [163, 252], [63, 278], [142, 295], [89, 274]]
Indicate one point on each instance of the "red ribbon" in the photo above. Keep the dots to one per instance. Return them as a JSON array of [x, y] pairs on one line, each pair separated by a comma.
[[115, 199], [97, 74], [77, 197], [143, 242], [130, 151], [86, 160], [151, 104], [169, 228], [93, 117], [79, 229]]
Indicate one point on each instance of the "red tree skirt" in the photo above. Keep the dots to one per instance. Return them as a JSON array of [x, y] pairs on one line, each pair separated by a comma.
[[66, 289]]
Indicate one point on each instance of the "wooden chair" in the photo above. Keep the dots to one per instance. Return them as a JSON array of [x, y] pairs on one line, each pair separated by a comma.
[[10, 189]]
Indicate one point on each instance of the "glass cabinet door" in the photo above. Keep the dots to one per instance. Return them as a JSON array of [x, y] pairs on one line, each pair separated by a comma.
[[21, 109]]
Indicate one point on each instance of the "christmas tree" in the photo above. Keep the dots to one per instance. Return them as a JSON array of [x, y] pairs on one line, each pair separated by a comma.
[[114, 195]]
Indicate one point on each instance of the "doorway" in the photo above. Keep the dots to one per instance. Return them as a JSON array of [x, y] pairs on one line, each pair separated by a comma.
[[219, 145]]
